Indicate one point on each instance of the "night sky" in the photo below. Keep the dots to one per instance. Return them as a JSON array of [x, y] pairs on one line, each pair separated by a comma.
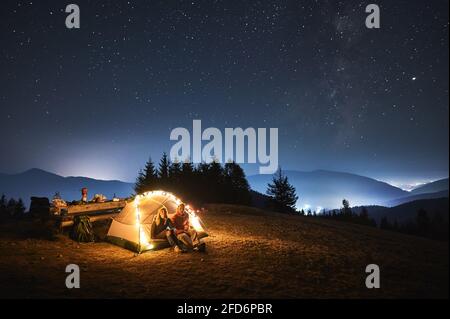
[[99, 100]]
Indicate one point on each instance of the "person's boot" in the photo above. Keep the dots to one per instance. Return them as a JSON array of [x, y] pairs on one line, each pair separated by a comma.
[[201, 247], [179, 250]]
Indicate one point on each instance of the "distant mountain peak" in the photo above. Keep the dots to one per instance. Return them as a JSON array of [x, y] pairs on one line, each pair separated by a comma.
[[39, 172], [436, 186], [38, 182], [35, 170]]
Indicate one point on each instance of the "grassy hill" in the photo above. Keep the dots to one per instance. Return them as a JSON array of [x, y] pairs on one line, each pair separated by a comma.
[[407, 199], [408, 211], [251, 254], [433, 187]]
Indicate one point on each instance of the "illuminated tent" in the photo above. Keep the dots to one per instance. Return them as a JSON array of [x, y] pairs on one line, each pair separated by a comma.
[[131, 227]]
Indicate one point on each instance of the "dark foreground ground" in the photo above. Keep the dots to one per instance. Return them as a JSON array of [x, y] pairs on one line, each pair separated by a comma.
[[251, 254]]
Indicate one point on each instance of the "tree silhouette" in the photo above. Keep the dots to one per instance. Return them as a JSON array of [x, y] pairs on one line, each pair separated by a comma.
[[206, 182], [187, 168], [364, 214], [282, 192], [174, 176], [346, 210], [11, 207], [439, 227], [19, 209], [237, 187], [423, 222], [3, 204], [163, 170], [188, 180], [147, 179], [384, 223], [215, 176]]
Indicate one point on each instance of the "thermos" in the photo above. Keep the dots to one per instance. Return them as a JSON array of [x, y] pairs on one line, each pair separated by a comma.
[[84, 194]]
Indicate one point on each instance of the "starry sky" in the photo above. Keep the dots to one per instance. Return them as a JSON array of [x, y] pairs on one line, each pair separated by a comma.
[[99, 100]]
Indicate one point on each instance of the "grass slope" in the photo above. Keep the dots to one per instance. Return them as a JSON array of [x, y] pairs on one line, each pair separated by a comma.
[[251, 254]]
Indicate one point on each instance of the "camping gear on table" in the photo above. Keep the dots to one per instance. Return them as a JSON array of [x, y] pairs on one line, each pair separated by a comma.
[[131, 227], [59, 203], [99, 198], [84, 194]]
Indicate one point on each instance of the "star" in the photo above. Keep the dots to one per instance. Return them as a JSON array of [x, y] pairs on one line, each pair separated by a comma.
[[328, 82]]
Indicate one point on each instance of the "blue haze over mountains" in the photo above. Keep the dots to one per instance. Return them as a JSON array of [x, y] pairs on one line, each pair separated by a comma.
[[319, 188]]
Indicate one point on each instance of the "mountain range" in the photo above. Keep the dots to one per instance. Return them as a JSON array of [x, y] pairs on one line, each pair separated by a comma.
[[37, 182], [433, 187], [326, 189], [316, 189], [411, 198], [408, 211]]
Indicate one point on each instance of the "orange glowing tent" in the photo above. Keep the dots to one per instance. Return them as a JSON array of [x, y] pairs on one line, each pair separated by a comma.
[[131, 227]]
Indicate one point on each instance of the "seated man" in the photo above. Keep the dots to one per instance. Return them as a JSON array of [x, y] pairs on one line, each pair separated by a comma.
[[183, 231], [162, 228]]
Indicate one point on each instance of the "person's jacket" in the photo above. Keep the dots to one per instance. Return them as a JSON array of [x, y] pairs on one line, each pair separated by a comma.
[[155, 229]]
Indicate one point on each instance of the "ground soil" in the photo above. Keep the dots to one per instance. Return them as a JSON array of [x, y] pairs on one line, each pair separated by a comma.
[[250, 254]]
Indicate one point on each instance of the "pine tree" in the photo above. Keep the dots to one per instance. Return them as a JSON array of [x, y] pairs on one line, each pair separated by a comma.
[[187, 168], [175, 169], [163, 170], [216, 177], [188, 181], [3, 203], [346, 210], [11, 207], [282, 192], [202, 168], [237, 187], [147, 179], [201, 188], [139, 184], [19, 209], [175, 176]]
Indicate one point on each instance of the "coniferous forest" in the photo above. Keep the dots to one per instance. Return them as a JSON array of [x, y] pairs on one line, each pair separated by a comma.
[[205, 182]]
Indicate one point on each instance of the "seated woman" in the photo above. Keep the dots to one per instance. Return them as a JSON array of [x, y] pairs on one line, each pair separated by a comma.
[[162, 228]]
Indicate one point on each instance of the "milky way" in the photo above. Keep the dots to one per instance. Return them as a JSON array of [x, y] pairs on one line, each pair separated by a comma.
[[99, 100]]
